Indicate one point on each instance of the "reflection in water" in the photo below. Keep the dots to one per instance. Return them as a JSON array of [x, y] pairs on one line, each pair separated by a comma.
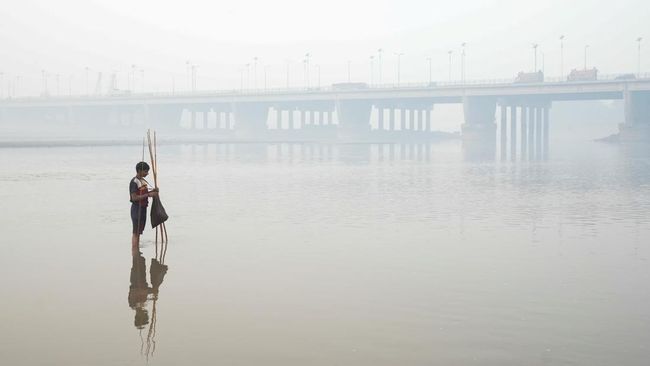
[[140, 294]]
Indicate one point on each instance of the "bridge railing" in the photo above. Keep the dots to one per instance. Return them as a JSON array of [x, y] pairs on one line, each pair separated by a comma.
[[620, 77]]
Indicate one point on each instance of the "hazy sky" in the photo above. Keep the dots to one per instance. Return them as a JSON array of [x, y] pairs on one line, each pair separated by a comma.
[[159, 37]]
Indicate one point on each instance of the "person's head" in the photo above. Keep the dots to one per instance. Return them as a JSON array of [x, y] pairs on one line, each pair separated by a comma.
[[142, 169]]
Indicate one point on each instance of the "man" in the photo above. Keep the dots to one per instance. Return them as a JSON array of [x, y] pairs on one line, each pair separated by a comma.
[[140, 193]]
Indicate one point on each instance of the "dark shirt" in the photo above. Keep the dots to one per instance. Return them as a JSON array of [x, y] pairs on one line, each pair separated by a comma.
[[139, 187]]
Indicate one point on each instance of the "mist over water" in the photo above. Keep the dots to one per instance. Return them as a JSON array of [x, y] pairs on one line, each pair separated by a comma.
[[367, 183], [365, 254]]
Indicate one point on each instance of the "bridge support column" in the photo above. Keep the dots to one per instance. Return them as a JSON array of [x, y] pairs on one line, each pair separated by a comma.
[[402, 119], [547, 110], [513, 132], [394, 117], [538, 132], [524, 132], [391, 120], [380, 118], [637, 117], [479, 119], [354, 118], [292, 119], [503, 126], [426, 120]]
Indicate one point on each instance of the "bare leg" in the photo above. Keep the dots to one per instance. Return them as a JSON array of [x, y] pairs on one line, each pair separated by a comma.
[[135, 242]]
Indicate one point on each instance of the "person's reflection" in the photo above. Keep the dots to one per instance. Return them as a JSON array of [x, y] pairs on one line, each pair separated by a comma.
[[140, 293], [139, 290]]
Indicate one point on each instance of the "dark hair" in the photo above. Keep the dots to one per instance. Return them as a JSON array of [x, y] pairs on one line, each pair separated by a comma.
[[141, 166]]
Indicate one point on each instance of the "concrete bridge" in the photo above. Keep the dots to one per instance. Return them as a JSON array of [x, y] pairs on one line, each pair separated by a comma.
[[344, 111]]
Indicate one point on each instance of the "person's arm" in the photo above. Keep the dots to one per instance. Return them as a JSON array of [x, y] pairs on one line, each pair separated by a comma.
[[140, 197]]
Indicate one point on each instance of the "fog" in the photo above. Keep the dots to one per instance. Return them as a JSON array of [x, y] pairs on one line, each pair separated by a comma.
[[63, 38], [369, 183]]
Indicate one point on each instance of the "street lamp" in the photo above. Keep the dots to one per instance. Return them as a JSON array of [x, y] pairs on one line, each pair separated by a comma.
[[372, 68], [318, 68], [379, 51], [429, 59], [399, 56], [450, 52], [638, 67], [462, 70], [255, 72], [562, 56], [307, 56], [266, 67], [193, 69], [535, 52], [287, 61], [248, 76], [586, 46]]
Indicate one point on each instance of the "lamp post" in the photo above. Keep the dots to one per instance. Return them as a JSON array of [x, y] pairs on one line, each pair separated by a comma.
[[450, 52], [248, 76], [187, 75], [372, 68], [586, 47], [399, 56], [462, 64], [638, 66], [379, 51], [429, 59], [304, 72], [318, 68], [307, 56], [562, 56], [265, 73], [241, 79], [255, 72], [194, 67], [287, 61], [535, 57]]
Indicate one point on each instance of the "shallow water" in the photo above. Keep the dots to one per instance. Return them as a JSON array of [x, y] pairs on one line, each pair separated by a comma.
[[324, 254]]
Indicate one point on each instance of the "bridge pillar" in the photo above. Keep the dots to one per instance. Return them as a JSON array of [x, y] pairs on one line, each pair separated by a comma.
[[402, 119], [395, 114], [479, 119], [547, 110], [538, 132], [637, 117], [524, 132], [354, 118], [503, 127], [380, 118], [513, 132], [426, 120], [278, 119], [250, 119]]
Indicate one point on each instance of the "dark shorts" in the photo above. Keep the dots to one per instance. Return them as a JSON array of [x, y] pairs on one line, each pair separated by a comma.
[[139, 218]]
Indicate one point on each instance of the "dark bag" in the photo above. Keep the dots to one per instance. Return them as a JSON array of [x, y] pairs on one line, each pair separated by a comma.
[[158, 214]]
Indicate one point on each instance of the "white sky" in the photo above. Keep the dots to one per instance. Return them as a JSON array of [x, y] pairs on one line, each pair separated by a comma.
[[64, 37]]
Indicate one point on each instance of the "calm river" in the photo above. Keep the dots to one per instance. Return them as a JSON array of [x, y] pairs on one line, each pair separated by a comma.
[[326, 254]]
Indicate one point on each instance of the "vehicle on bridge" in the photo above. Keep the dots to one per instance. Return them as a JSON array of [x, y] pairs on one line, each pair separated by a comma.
[[349, 86], [529, 77], [583, 75], [626, 77]]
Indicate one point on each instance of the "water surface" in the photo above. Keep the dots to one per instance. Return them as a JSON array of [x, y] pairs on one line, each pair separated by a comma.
[[326, 254]]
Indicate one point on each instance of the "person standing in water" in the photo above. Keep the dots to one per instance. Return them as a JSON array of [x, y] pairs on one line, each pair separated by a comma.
[[139, 196]]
